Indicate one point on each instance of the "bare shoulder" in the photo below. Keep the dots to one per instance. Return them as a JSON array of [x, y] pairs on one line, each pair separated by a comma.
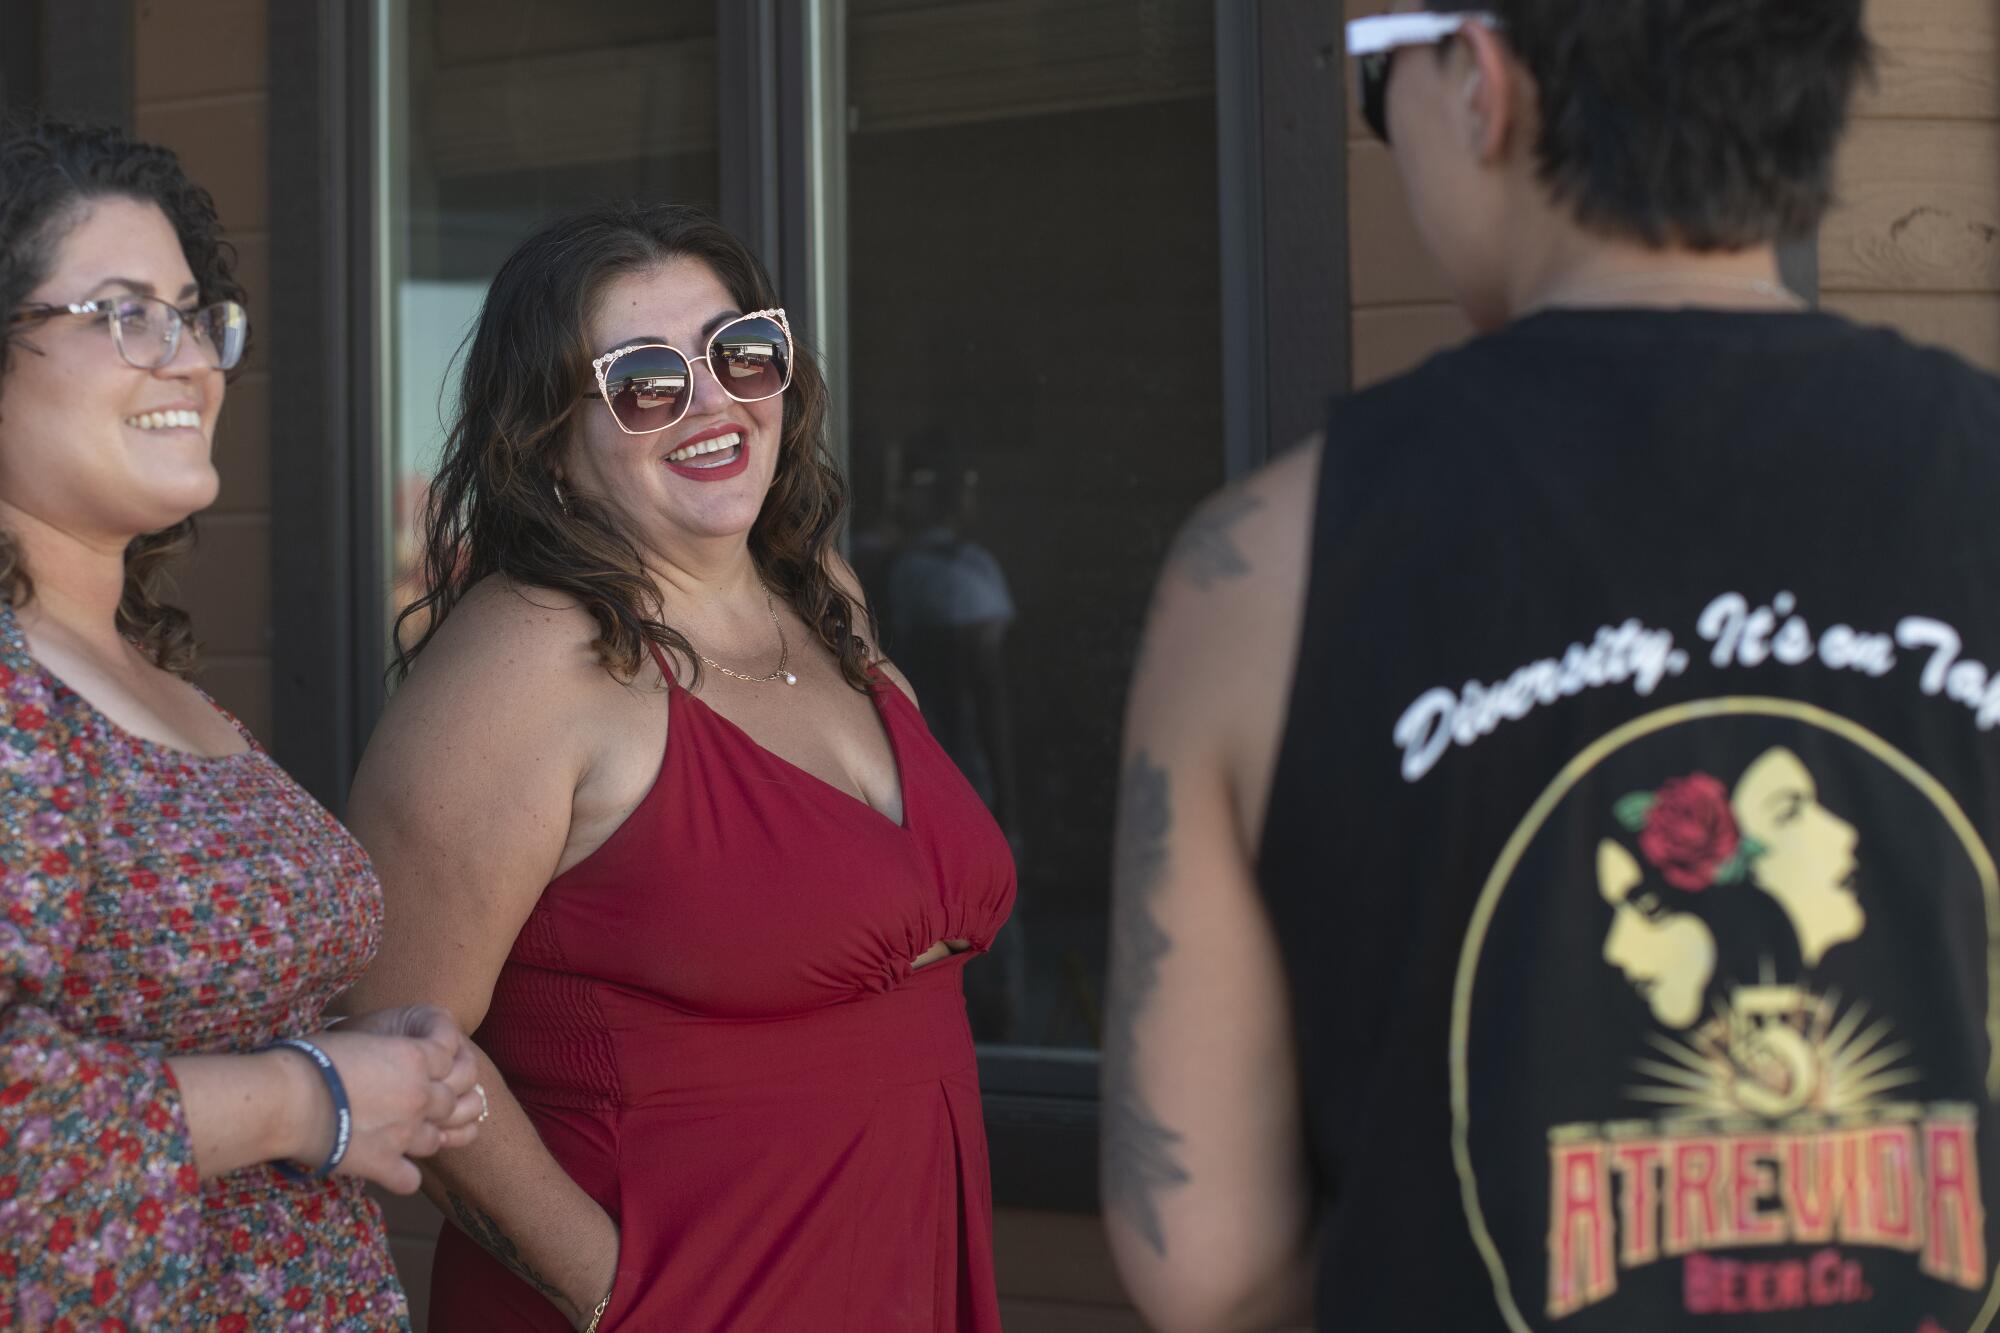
[[1254, 530], [499, 613], [849, 582], [532, 636], [506, 651], [1215, 670], [1234, 577]]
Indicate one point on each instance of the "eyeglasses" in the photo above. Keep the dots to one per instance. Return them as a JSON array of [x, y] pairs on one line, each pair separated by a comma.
[[648, 386], [1373, 42], [147, 331]]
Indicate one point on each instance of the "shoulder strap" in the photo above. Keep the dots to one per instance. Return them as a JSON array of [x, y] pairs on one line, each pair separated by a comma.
[[666, 667]]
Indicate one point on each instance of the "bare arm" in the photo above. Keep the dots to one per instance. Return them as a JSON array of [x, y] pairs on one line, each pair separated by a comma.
[[506, 688], [1204, 1172]]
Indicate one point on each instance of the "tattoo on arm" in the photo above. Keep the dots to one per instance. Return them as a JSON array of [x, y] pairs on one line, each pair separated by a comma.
[[1206, 552], [1140, 1159], [477, 1223]]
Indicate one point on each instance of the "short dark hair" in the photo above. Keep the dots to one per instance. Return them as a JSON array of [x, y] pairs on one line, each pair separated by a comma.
[[1705, 123], [50, 171]]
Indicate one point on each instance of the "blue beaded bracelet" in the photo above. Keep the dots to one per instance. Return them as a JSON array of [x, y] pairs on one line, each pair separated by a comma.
[[343, 1118]]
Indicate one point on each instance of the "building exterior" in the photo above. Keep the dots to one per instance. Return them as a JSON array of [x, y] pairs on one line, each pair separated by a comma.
[[1071, 265]]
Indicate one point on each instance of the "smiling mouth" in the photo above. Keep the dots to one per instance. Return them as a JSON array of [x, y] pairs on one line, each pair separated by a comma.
[[715, 452], [173, 419]]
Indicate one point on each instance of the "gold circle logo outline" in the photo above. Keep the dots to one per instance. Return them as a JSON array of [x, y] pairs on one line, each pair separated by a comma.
[[1531, 825]]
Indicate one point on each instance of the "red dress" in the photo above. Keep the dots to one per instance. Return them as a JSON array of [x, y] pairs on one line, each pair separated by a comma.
[[713, 1023]]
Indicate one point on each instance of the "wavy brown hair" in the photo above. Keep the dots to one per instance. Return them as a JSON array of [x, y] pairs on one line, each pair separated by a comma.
[[492, 507], [50, 171]]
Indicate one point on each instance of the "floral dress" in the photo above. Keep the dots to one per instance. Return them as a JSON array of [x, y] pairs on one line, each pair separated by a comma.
[[162, 903]]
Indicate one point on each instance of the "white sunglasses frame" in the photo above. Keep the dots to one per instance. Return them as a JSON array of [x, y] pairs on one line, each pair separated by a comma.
[[603, 364], [1381, 33]]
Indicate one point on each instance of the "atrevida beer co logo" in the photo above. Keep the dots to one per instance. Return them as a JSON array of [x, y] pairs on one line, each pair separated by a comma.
[[1724, 1036]]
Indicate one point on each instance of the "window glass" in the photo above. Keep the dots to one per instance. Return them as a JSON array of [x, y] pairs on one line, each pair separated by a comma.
[[500, 114], [1034, 403]]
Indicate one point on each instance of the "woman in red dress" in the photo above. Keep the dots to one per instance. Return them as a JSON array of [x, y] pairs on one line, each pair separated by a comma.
[[655, 819]]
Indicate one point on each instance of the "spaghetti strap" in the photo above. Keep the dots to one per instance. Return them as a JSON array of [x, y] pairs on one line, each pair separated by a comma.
[[666, 668]]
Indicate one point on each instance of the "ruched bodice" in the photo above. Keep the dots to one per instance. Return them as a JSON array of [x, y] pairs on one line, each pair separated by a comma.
[[715, 1026]]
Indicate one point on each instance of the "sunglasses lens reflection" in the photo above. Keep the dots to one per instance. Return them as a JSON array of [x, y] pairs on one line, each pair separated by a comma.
[[648, 388], [752, 359]]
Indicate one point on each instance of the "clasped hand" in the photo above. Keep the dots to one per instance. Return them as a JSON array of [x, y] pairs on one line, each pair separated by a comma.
[[410, 1078]]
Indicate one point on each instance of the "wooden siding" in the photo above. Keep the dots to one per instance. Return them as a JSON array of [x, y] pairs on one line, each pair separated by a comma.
[[1913, 242], [198, 86]]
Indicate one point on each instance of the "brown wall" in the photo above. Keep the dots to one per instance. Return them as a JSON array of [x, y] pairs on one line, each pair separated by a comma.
[[1914, 241], [199, 88], [1402, 311]]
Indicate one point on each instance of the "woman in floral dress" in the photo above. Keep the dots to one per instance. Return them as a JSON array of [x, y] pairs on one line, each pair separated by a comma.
[[171, 904]]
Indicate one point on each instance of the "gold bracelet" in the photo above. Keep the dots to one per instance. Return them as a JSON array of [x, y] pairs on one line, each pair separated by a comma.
[[597, 1314]]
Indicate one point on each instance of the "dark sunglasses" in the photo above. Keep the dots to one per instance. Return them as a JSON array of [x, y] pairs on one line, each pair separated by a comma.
[[648, 386], [1373, 42]]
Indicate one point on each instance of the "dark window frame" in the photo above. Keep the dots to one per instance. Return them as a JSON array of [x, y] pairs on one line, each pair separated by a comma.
[[20, 55], [327, 562], [1281, 145], [69, 58]]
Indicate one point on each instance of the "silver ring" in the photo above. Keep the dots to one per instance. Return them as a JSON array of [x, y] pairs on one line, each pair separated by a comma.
[[485, 1107]]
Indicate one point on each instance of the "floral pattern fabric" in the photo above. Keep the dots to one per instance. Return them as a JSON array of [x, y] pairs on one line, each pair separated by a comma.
[[161, 903]]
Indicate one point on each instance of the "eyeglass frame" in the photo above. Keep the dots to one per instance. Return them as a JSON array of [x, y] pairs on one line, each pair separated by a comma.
[[603, 364], [1374, 41], [106, 306]]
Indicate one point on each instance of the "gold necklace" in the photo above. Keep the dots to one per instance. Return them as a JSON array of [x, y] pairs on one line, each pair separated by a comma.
[[784, 651]]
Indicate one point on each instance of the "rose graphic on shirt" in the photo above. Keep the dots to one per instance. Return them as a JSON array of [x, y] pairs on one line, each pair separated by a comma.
[[1686, 829], [1770, 833]]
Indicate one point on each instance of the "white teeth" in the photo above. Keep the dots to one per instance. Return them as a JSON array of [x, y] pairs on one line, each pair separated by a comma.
[[176, 419], [714, 446]]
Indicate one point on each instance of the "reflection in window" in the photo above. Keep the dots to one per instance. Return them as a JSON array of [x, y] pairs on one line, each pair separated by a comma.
[[1034, 405], [501, 114]]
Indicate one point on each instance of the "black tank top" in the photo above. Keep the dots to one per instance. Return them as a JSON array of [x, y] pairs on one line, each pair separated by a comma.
[[1632, 838]]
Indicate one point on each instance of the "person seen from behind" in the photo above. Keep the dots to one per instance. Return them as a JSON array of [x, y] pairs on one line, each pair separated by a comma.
[[1594, 929]]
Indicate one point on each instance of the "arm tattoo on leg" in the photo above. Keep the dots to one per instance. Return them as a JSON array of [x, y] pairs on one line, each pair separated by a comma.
[[1206, 552], [1139, 1151], [477, 1223]]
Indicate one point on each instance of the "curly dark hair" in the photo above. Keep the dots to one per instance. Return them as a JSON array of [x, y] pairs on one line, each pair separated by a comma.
[[1705, 123], [50, 171], [492, 507]]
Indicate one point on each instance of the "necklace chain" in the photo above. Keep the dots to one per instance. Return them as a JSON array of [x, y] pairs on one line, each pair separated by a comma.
[[784, 650]]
